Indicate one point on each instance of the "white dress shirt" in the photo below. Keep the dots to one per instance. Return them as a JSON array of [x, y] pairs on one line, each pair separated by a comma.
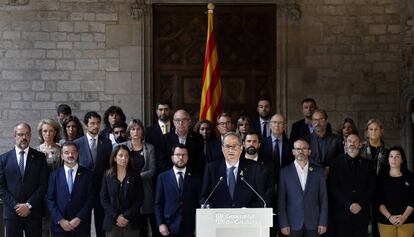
[[26, 152], [302, 173]]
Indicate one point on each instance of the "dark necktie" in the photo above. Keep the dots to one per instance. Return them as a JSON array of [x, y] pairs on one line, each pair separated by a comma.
[[232, 181], [276, 153], [93, 150], [264, 131], [21, 163], [70, 180], [180, 182]]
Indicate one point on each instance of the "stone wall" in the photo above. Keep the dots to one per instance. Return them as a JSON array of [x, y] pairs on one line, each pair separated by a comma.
[[347, 55], [84, 53]]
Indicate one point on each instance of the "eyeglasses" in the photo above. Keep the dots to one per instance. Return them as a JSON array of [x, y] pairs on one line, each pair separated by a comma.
[[301, 149], [319, 120], [23, 134], [232, 147], [180, 155], [184, 120], [277, 123], [224, 123]]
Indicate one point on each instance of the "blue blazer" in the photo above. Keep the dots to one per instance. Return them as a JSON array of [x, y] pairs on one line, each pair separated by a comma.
[[30, 188], [298, 208], [104, 150], [178, 213], [243, 195], [63, 205]]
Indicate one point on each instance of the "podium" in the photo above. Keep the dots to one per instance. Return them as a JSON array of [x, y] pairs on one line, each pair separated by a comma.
[[240, 222]]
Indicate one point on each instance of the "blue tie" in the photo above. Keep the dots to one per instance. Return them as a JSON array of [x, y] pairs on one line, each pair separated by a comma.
[[21, 163], [70, 180], [180, 182], [232, 181]]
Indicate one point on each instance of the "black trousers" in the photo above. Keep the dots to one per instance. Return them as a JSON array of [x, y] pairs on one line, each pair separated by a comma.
[[99, 214], [303, 233], [70, 234], [352, 227], [30, 227]]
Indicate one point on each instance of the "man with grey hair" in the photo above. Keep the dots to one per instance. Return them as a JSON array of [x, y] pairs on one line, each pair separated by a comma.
[[228, 183], [23, 183]]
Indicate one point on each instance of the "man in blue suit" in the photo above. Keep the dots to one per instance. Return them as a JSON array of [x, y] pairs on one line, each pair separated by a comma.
[[94, 152], [232, 176], [70, 196], [302, 196], [177, 196], [23, 184]]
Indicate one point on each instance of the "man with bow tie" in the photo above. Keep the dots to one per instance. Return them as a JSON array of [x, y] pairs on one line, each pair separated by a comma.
[[70, 196]]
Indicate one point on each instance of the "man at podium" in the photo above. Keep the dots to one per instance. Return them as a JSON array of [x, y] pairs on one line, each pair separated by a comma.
[[230, 183]]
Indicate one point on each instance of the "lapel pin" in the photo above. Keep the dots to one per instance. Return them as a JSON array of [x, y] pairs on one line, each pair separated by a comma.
[[241, 173], [407, 183], [310, 168], [189, 174]]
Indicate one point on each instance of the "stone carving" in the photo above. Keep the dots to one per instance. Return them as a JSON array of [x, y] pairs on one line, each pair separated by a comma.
[[290, 8], [408, 52]]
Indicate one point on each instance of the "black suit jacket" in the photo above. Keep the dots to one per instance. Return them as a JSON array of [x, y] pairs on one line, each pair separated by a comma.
[[266, 180], [213, 150], [351, 185], [333, 148], [132, 197], [300, 130], [30, 189], [195, 146], [154, 136], [266, 152], [243, 195]]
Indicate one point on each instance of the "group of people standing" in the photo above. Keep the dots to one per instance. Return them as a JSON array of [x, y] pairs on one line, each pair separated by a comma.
[[149, 182]]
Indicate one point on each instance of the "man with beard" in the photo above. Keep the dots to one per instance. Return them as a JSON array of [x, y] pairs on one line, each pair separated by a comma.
[[94, 152], [325, 146], [176, 198], [70, 196], [302, 196], [23, 184], [183, 135], [230, 175], [261, 124], [119, 132], [352, 184], [213, 148], [303, 127]]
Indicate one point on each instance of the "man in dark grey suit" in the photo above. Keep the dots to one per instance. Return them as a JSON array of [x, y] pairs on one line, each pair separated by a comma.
[[23, 183], [302, 196]]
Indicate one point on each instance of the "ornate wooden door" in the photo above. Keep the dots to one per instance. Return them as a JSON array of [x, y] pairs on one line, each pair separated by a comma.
[[246, 50]]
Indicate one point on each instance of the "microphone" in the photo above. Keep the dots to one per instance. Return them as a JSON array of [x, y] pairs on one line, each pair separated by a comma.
[[211, 193], [248, 185]]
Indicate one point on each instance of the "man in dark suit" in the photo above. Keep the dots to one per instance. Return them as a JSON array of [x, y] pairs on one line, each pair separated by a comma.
[[325, 146], [23, 184], [183, 135], [177, 195], [70, 196], [156, 134], [230, 175], [276, 147], [302, 196], [303, 127], [351, 184], [261, 124], [213, 148], [94, 152]]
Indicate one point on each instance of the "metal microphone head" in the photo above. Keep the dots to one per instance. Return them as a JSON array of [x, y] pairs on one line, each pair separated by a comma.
[[242, 178], [220, 178]]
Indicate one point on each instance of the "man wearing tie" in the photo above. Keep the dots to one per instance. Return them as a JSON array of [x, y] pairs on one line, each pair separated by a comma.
[[70, 196], [94, 152], [277, 147], [23, 184], [261, 124], [232, 177], [177, 196]]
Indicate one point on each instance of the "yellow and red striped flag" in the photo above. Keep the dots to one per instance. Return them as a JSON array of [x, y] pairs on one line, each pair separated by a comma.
[[211, 99]]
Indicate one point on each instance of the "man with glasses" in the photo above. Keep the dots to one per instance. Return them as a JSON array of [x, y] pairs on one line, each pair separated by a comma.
[[23, 184], [302, 196], [213, 149], [232, 176], [176, 198], [182, 134], [325, 146]]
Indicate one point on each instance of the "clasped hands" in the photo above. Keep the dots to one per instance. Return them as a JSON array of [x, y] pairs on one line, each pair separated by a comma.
[[397, 220], [22, 209], [69, 225], [121, 221]]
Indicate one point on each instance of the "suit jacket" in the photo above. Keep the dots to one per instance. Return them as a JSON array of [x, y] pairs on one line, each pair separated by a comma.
[[332, 150], [132, 195], [300, 130], [298, 208], [104, 150], [349, 185], [243, 195], [154, 136], [213, 150], [147, 174], [31, 188], [176, 211], [266, 152], [65, 205], [195, 146], [266, 180]]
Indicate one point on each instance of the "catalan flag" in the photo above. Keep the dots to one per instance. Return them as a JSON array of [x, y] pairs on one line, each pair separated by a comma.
[[211, 99]]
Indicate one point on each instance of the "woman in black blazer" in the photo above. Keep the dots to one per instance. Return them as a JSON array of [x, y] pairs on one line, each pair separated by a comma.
[[121, 196]]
